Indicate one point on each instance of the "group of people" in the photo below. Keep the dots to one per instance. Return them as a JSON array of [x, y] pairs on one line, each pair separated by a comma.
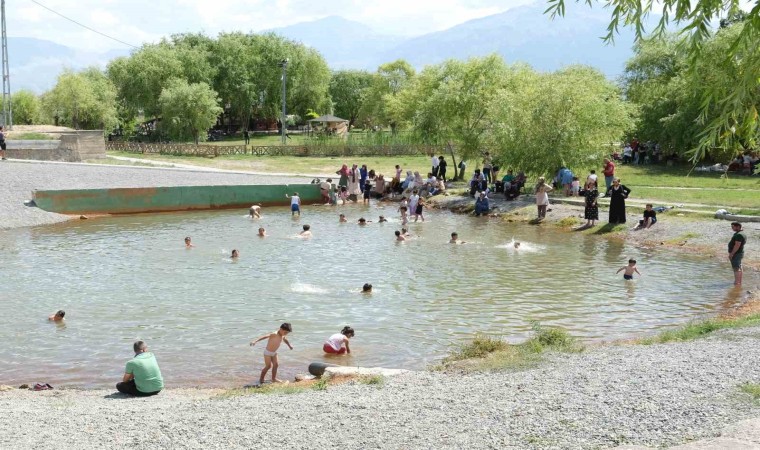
[[142, 376], [745, 163], [635, 152], [360, 182]]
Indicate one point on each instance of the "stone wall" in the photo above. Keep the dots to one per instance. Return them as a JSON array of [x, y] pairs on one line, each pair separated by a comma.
[[72, 146]]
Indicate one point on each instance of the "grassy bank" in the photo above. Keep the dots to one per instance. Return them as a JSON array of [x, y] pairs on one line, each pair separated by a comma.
[[488, 353], [700, 329], [319, 384]]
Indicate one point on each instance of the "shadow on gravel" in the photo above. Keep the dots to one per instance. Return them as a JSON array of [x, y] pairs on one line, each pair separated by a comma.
[[117, 395]]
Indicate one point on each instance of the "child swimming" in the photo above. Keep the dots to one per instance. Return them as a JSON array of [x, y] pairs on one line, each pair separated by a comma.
[[342, 218], [306, 233], [235, 254], [399, 236], [367, 288], [262, 232], [630, 269], [455, 239], [188, 242], [254, 212]]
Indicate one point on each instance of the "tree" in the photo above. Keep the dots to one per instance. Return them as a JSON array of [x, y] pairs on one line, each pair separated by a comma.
[[26, 107], [730, 109], [82, 100], [388, 83], [566, 118], [348, 91], [449, 102], [672, 98], [188, 110]]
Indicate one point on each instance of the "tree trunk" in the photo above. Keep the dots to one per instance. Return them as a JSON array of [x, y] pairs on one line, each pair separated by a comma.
[[454, 165]]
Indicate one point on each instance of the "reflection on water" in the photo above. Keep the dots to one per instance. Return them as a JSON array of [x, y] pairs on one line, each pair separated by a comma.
[[128, 278]]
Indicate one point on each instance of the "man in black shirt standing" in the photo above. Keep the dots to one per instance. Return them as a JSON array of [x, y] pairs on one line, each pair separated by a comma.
[[736, 251]]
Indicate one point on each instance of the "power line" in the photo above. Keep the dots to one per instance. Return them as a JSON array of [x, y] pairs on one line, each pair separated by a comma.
[[83, 25]]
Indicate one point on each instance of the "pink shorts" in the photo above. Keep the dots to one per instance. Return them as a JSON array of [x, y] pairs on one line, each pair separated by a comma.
[[329, 349]]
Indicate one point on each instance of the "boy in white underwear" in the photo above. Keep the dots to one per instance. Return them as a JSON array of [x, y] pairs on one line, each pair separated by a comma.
[[270, 352]]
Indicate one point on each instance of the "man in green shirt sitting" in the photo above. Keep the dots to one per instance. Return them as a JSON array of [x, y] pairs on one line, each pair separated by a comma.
[[142, 377]]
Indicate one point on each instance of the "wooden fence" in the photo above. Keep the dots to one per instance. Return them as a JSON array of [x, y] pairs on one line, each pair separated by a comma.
[[271, 150]]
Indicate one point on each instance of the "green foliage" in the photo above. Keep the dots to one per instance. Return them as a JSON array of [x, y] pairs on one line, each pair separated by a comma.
[[348, 91], [381, 106], [81, 100], [729, 103], [188, 110], [567, 118], [26, 107], [321, 384], [449, 102], [32, 137], [671, 91], [696, 330], [480, 346], [242, 68], [753, 389], [372, 380], [490, 353]]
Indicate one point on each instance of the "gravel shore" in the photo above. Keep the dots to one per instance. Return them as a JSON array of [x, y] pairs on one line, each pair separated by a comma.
[[19, 179], [655, 395]]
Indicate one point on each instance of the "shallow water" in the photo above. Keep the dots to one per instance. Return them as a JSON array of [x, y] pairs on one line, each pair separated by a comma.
[[127, 278]]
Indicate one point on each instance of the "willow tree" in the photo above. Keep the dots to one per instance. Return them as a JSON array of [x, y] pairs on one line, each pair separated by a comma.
[[723, 111], [188, 110], [671, 98], [542, 121]]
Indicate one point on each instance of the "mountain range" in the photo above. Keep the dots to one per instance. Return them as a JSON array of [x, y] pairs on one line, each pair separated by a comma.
[[522, 34]]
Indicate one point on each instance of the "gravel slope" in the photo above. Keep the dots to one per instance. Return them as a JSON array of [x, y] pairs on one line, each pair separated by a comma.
[[648, 395], [19, 179]]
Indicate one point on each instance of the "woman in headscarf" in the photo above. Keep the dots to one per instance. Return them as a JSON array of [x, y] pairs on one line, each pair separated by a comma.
[[354, 188], [617, 193], [542, 197], [408, 181], [418, 181], [343, 173]]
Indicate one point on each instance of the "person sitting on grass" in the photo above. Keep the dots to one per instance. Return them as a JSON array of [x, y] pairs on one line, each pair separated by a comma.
[[650, 218], [142, 377]]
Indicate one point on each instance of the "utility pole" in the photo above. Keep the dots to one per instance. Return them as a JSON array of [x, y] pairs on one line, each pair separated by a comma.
[[7, 119], [284, 65]]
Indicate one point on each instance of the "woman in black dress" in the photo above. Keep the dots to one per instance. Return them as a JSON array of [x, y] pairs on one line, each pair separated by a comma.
[[617, 193], [591, 212]]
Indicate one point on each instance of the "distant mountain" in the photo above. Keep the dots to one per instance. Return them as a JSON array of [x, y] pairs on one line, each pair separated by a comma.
[[525, 34], [36, 63], [522, 34], [345, 44]]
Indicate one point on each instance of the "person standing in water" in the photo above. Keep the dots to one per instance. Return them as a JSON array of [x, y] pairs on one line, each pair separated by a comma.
[[542, 197], [295, 204], [188, 242], [274, 340], [736, 251]]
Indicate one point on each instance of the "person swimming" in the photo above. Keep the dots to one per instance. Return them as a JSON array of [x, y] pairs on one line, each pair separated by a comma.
[[58, 316], [262, 232], [382, 219], [235, 254], [188, 242], [367, 288]]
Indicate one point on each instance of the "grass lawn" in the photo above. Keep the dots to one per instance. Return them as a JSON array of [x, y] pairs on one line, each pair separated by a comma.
[[680, 176], [669, 185], [270, 139], [294, 164]]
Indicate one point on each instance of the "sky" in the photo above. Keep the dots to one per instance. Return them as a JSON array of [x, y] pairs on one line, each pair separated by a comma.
[[138, 21]]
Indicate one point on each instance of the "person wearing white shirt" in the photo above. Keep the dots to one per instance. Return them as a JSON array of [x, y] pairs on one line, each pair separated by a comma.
[[434, 161]]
